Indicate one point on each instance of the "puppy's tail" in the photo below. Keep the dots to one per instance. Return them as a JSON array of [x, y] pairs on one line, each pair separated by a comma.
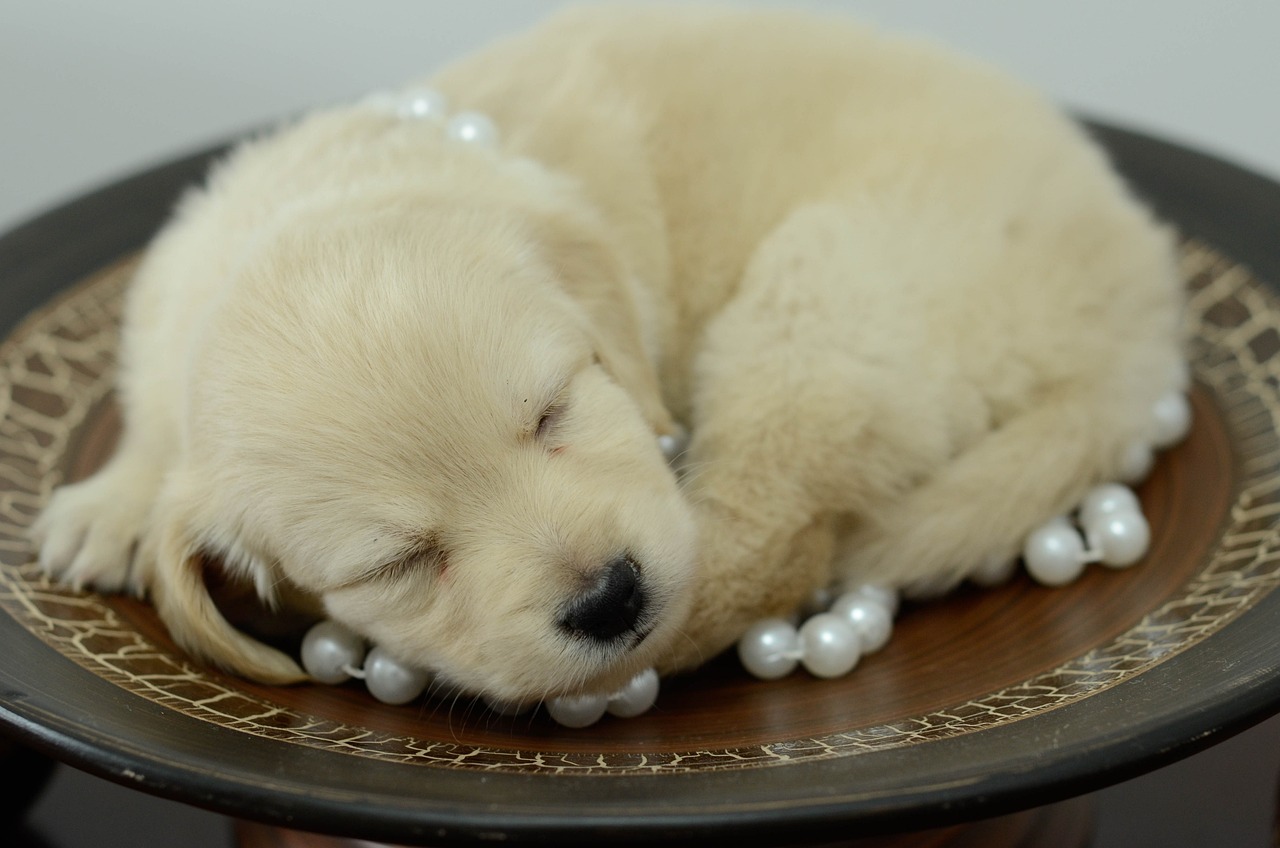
[[980, 507]]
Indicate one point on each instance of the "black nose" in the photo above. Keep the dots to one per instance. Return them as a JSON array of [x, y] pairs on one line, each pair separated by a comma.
[[611, 606]]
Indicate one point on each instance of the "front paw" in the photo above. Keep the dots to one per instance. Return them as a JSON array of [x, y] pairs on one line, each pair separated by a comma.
[[87, 535]]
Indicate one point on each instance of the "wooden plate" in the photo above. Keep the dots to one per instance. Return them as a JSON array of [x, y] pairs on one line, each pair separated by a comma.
[[983, 703]]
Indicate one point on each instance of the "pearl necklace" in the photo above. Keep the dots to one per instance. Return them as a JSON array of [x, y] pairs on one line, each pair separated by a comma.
[[333, 654], [423, 104], [1108, 528]]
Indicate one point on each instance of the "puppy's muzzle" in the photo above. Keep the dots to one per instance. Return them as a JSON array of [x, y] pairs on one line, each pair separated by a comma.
[[611, 607]]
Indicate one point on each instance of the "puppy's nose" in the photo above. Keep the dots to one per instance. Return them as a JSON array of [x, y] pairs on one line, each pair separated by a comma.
[[611, 606]]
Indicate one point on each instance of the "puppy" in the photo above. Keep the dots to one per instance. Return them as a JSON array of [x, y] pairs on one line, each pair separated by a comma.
[[903, 306]]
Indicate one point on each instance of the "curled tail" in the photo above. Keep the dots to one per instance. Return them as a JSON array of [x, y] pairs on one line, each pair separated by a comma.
[[980, 507]]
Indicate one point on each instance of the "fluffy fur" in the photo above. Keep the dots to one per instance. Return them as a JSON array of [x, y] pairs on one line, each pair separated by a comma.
[[903, 305]]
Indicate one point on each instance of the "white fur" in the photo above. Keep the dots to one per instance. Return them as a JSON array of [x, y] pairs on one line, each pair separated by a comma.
[[903, 304]]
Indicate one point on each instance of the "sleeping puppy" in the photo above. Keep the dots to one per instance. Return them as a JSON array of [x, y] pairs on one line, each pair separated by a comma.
[[902, 305]]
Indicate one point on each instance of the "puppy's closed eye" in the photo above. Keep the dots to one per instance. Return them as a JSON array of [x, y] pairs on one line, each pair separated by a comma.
[[551, 417], [422, 553]]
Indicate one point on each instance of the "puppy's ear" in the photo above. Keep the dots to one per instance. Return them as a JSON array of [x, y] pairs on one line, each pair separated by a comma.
[[185, 606], [595, 275]]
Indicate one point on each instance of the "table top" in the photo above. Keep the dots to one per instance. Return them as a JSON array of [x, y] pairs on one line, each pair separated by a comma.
[[984, 702]]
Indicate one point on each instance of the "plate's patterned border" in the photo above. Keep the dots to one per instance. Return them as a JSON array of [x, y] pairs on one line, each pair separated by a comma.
[[62, 360]]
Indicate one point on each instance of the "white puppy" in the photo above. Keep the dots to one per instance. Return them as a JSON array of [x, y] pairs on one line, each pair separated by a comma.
[[902, 304]]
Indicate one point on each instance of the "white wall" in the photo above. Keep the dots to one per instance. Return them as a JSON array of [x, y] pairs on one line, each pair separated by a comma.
[[92, 90]]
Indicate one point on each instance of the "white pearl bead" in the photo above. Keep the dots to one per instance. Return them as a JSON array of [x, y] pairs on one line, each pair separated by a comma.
[[1136, 462], [1054, 554], [637, 696], [1107, 499], [770, 648], [391, 681], [472, 128], [871, 621], [674, 444], [577, 710], [1122, 538], [885, 596], [830, 645], [422, 104], [1171, 416], [996, 571], [328, 650]]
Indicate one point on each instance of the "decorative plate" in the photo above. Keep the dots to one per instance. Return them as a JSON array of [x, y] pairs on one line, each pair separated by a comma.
[[983, 703]]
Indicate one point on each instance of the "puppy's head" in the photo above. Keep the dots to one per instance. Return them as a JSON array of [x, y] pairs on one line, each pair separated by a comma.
[[414, 413]]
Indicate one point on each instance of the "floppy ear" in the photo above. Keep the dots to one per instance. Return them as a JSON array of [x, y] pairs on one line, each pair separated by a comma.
[[185, 606], [591, 270]]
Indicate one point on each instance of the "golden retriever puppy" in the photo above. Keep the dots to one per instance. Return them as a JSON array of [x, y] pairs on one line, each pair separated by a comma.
[[902, 305]]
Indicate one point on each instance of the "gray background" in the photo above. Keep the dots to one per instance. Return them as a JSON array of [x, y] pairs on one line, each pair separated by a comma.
[[90, 91]]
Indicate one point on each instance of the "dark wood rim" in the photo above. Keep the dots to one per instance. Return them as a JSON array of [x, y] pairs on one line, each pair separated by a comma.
[[1220, 684]]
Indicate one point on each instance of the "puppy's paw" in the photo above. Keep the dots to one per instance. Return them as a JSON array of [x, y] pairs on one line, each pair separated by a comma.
[[88, 533]]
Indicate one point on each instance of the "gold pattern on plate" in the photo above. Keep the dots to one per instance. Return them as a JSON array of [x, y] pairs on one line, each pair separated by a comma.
[[58, 367]]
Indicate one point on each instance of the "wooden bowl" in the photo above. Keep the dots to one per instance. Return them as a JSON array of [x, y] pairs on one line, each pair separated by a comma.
[[983, 703]]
